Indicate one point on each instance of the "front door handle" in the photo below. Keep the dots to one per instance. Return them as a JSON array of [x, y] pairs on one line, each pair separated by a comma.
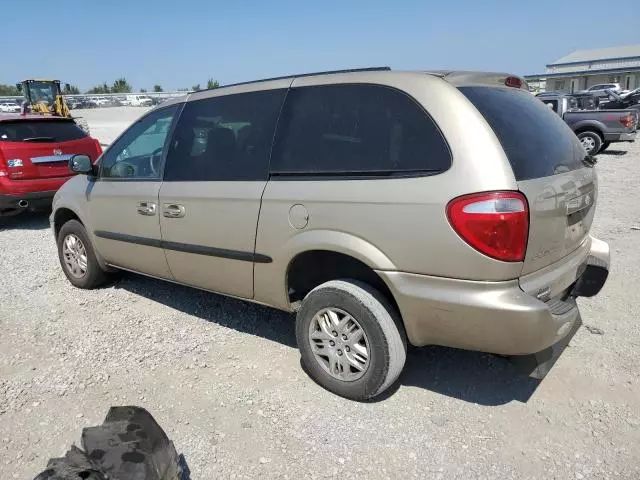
[[147, 208], [173, 210]]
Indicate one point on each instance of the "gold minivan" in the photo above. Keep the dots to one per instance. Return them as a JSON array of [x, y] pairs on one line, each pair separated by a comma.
[[383, 207]]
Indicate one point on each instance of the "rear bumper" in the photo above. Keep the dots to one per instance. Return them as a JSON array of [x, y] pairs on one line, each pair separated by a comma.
[[38, 192], [33, 200], [498, 317], [620, 137]]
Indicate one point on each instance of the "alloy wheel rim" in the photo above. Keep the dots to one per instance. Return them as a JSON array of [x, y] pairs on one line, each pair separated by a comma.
[[75, 256], [588, 143], [339, 344]]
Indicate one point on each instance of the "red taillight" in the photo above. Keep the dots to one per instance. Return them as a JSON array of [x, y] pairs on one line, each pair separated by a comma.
[[514, 82], [626, 121], [98, 149], [3, 166], [494, 223]]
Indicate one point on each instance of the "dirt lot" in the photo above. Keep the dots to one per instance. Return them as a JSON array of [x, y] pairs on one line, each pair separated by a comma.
[[223, 377]]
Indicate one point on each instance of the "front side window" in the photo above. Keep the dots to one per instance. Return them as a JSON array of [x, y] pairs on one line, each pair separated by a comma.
[[356, 130], [138, 153], [224, 138]]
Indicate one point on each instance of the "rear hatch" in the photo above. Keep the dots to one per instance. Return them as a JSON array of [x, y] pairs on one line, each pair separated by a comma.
[[41, 148], [547, 161]]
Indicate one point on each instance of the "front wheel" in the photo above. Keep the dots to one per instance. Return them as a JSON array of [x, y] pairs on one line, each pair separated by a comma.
[[350, 338], [77, 258], [591, 142]]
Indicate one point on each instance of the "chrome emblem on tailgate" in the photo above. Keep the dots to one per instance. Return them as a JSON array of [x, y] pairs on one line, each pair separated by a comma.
[[57, 151], [579, 203]]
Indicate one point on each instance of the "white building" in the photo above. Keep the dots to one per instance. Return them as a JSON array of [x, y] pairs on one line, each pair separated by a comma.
[[583, 68]]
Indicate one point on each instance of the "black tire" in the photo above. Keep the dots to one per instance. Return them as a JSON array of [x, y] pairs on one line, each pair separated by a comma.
[[604, 146], [593, 139], [385, 337], [94, 275]]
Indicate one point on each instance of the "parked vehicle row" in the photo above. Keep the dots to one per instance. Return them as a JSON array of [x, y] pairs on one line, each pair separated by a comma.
[[360, 201], [135, 100], [596, 129], [9, 106]]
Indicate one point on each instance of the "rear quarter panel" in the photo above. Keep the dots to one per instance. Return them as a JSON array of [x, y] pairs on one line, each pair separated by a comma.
[[390, 224]]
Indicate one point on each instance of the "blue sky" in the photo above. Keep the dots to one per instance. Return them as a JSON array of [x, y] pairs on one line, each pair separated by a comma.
[[179, 44]]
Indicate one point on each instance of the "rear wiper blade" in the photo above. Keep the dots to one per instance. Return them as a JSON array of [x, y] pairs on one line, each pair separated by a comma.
[[589, 160], [39, 139]]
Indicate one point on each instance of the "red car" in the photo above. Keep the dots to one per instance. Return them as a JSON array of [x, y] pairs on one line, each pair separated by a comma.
[[34, 157]]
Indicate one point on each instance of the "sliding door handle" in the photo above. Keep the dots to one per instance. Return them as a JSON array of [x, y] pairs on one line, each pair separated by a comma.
[[173, 210]]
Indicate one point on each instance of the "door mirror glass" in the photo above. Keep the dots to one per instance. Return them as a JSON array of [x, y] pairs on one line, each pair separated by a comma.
[[81, 164]]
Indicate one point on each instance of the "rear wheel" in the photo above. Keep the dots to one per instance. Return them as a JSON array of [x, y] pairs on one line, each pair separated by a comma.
[[591, 142], [77, 257], [351, 340], [604, 146]]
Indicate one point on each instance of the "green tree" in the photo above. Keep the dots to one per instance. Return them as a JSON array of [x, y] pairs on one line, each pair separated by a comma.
[[121, 86], [104, 88], [157, 88], [211, 83], [72, 90], [8, 90], [143, 90], [196, 87]]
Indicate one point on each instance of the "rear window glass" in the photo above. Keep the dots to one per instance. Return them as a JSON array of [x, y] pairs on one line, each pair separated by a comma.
[[40, 131], [536, 140]]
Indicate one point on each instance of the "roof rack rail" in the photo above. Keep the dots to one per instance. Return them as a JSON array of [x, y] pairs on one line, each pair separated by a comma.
[[328, 72]]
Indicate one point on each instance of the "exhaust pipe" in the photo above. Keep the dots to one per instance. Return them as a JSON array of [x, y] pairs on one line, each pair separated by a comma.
[[23, 203]]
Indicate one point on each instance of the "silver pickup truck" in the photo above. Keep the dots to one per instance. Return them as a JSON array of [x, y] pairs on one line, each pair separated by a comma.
[[596, 129]]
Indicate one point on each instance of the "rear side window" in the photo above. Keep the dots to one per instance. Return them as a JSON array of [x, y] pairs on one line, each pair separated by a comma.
[[225, 138], [357, 130], [536, 140], [40, 131]]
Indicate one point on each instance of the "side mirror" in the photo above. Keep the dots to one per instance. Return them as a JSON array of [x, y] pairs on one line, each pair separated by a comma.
[[19, 87], [81, 164]]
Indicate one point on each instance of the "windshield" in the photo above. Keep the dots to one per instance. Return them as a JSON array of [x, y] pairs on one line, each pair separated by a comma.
[[42, 92]]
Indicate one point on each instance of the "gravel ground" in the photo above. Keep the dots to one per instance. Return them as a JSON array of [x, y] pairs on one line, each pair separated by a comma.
[[223, 377]]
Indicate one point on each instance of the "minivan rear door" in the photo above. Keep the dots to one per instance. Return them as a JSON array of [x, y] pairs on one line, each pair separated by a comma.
[[547, 161], [42, 148]]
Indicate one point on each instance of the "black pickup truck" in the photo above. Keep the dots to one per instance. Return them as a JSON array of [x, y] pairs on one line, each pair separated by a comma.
[[596, 129], [629, 100]]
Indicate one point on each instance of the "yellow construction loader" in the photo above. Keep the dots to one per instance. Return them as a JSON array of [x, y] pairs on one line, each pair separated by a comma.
[[45, 97]]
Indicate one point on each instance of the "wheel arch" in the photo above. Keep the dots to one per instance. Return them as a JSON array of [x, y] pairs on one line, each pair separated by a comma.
[[338, 256], [61, 216], [596, 128]]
